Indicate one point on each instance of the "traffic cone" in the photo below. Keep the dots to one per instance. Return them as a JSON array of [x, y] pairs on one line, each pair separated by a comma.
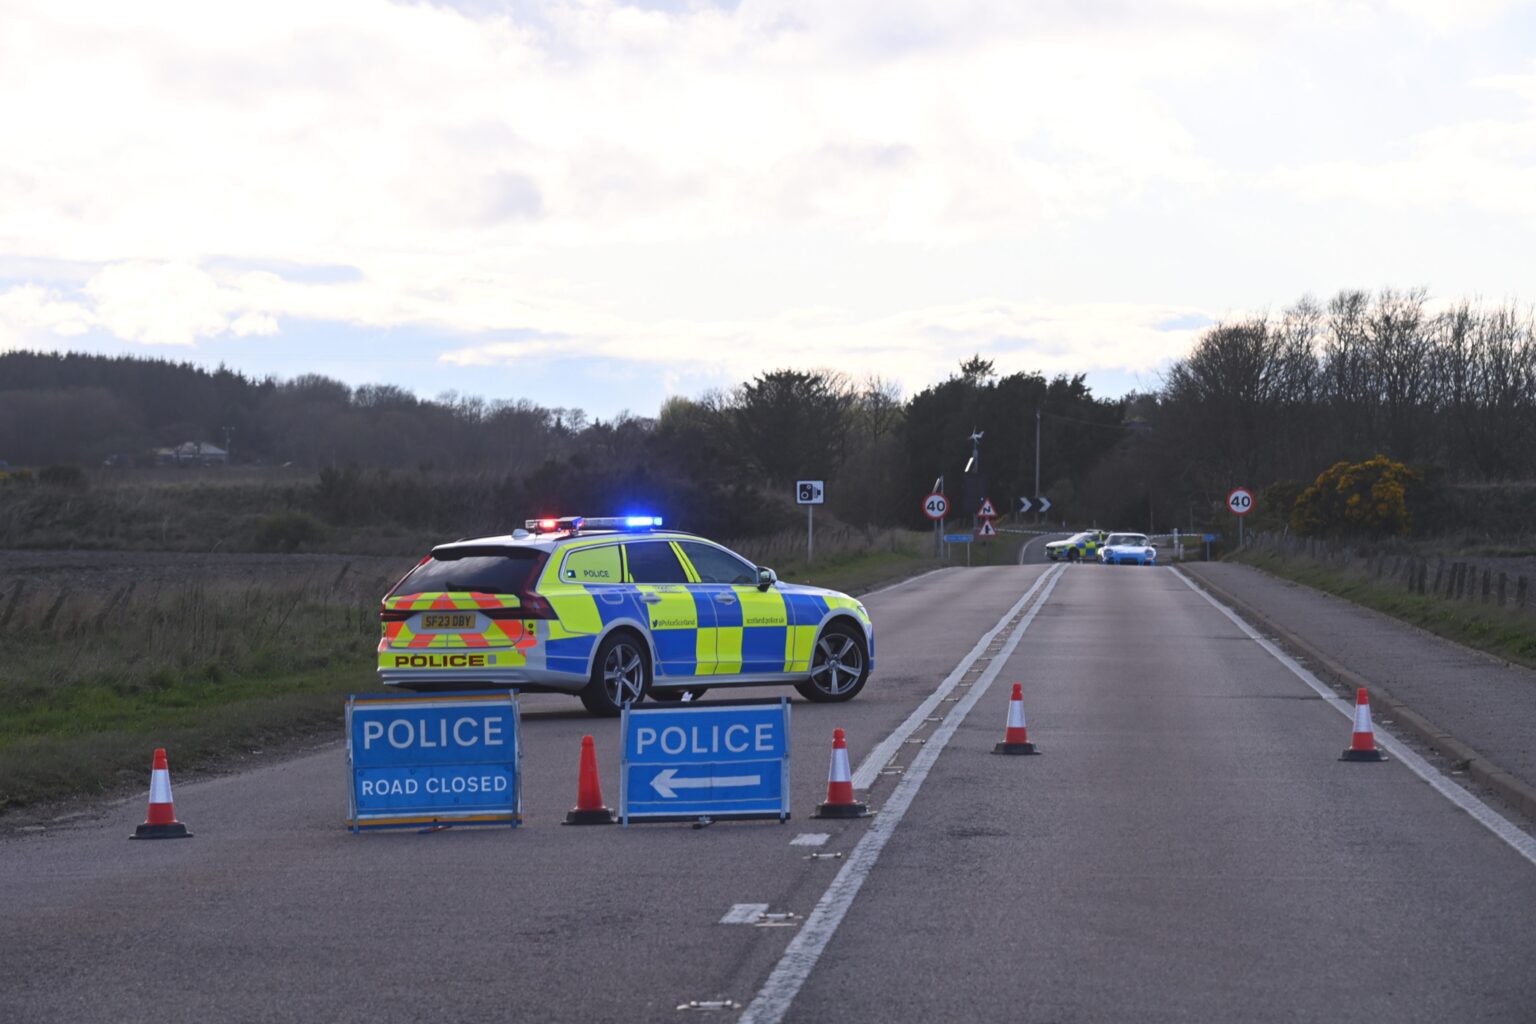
[[589, 809], [161, 821], [1016, 737], [1362, 744], [840, 802]]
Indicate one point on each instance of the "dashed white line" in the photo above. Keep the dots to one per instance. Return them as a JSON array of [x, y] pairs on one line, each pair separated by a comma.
[[1486, 816], [794, 967], [744, 913], [810, 839]]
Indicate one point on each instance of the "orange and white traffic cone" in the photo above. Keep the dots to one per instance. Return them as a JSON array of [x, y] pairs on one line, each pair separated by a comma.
[[589, 809], [1362, 744], [161, 821], [840, 802], [1016, 736]]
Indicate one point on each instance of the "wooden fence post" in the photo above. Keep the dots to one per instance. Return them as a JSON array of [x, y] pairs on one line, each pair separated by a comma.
[[1501, 590], [1520, 592]]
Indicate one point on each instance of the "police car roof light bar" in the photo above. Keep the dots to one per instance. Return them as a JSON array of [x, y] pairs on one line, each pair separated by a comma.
[[575, 524]]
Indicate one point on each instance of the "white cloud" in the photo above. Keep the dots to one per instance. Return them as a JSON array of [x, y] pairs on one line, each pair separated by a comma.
[[492, 178]]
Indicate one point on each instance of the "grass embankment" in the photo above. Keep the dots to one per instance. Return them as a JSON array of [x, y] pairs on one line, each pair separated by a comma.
[[93, 679], [1508, 632]]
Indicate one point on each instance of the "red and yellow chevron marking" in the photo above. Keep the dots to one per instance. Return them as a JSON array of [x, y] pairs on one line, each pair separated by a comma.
[[449, 602]]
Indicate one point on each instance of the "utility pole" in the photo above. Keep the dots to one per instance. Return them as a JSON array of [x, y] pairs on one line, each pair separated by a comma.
[[1038, 515]]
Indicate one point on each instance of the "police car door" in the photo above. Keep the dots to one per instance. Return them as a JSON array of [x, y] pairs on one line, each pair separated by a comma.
[[751, 625], [682, 628]]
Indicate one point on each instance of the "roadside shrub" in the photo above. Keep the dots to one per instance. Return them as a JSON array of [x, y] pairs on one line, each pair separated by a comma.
[[287, 531], [62, 476], [1371, 497]]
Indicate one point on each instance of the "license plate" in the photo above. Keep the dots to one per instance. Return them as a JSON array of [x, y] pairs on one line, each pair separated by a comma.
[[455, 620]]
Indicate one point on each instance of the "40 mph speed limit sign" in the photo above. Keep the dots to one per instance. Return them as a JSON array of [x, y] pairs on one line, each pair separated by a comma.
[[935, 506], [1240, 501]]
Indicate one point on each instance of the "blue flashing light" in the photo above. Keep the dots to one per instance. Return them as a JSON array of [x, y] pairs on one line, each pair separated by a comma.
[[642, 522]]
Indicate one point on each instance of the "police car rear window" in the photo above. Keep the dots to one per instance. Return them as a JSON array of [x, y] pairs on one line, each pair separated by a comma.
[[503, 571]]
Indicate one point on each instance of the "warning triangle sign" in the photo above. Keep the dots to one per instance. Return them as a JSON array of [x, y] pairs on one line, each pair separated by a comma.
[[987, 529], [987, 511]]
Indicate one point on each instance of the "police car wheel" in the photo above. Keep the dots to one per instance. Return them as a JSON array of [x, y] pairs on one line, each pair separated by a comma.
[[621, 674], [839, 666], [1072, 555]]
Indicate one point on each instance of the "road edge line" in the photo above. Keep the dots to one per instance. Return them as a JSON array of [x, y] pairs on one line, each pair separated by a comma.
[[1510, 788], [778, 992], [1485, 814]]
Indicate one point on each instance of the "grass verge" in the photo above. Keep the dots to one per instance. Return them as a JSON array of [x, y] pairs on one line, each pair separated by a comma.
[[1504, 632]]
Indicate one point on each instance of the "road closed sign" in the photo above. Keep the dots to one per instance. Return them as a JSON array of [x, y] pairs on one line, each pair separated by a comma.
[[1240, 501], [441, 759], [725, 759]]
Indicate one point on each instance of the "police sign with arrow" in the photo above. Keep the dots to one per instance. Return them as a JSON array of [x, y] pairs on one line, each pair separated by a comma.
[[725, 759]]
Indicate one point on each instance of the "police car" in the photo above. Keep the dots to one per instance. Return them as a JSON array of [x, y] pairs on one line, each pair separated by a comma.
[[1076, 548], [615, 610], [1128, 549]]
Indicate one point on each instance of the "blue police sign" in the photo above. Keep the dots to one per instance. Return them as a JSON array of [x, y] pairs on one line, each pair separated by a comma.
[[728, 759], [433, 759]]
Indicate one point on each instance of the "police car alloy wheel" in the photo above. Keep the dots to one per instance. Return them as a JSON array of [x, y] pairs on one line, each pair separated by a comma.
[[838, 666], [1072, 554], [621, 674]]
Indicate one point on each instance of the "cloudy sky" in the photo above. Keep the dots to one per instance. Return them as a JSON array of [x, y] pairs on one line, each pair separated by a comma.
[[599, 204]]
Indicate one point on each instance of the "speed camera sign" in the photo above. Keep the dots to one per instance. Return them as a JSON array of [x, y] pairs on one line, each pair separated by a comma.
[[1240, 501]]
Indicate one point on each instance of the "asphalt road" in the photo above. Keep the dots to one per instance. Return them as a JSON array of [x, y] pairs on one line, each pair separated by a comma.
[[1188, 848]]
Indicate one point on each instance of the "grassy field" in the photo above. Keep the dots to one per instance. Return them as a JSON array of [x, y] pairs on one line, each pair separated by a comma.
[[217, 665], [1508, 632]]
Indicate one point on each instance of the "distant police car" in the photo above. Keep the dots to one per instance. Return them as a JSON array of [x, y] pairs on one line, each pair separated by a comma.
[[1076, 548], [1127, 549], [614, 610]]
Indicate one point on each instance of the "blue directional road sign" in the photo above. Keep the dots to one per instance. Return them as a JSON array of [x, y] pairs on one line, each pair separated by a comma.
[[958, 538], [440, 759], [727, 759]]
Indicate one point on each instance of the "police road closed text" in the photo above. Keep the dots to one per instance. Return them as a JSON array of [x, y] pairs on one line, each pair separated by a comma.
[[435, 785], [406, 734], [706, 739]]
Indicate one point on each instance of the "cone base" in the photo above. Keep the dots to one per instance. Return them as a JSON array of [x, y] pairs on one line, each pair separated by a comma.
[[1015, 748], [175, 830], [854, 810], [601, 816], [1362, 755]]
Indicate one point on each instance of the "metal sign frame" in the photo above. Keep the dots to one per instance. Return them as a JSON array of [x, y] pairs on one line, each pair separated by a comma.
[[436, 815], [780, 813]]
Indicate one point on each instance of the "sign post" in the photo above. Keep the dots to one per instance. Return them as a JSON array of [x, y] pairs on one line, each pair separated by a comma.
[[810, 493], [433, 760], [1240, 501], [725, 759]]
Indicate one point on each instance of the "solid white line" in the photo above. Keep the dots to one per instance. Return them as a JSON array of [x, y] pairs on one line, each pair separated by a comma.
[[1486, 816], [794, 967], [744, 913], [878, 758], [810, 839]]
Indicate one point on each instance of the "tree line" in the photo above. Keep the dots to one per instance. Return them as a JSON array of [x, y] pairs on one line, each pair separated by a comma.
[[729, 457]]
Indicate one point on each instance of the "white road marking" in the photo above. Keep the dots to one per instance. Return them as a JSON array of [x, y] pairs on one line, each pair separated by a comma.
[[794, 967], [1486, 816], [869, 768], [810, 839], [744, 913]]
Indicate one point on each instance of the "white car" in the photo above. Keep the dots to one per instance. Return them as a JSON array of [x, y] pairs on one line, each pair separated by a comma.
[[1127, 549]]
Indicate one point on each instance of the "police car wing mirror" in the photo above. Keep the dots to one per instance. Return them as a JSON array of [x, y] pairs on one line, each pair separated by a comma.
[[766, 578]]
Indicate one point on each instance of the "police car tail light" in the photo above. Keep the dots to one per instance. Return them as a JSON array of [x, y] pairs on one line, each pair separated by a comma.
[[530, 606], [394, 614]]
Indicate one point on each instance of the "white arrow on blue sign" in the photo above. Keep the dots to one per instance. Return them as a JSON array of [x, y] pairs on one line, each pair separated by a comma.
[[1023, 504], [724, 759], [1045, 504]]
